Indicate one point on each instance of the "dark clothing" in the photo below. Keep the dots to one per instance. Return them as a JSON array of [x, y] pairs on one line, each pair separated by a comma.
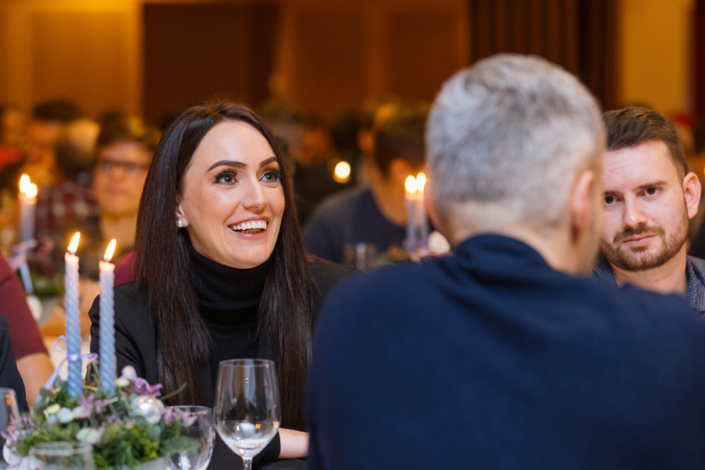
[[490, 359], [350, 217], [227, 299], [312, 183], [23, 328], [9, 375], [694, 273]]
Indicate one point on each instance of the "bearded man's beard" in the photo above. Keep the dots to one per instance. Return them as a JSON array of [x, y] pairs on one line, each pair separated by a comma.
[[642, 258]]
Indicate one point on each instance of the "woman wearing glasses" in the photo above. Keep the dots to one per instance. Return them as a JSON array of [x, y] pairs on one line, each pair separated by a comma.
[[124, 150]]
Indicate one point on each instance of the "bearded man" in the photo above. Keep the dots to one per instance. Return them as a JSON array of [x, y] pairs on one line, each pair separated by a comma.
[[649, 197]]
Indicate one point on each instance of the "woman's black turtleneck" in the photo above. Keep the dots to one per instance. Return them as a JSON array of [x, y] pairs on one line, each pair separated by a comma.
[[228, 300]]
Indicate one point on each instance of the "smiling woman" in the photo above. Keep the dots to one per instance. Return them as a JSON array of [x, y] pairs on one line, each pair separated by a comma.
[[220, 268]]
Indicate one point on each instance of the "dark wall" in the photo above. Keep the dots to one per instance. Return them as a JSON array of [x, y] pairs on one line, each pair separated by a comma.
[[194, 52]]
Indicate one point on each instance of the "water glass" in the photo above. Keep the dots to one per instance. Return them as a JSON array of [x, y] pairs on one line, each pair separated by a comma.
[[247, 409], [361, 255], [203, 430], [61, 456]]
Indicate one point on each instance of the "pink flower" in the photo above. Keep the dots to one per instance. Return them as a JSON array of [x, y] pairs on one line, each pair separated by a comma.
[[129, 373]]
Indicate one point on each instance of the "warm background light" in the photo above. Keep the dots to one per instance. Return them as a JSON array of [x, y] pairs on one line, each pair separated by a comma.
[[410, 185], [24, 184], [32, 190], [110, 251], [73, 246], [420, 182], [341, 173]]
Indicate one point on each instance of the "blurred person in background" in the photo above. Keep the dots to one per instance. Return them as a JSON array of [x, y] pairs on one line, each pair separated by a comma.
[[45, 126], [124, 150], [375, 214], [70, 200], [308, 147], [33, 361], [12, 129]]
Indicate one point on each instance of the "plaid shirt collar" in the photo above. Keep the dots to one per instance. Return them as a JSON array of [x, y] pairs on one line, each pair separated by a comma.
[[695, 276]]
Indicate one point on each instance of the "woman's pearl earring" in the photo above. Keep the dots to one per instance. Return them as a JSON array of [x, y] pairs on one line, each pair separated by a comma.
[[179, 223]]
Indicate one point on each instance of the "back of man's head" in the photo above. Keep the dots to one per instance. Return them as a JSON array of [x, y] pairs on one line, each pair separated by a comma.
[[401, 136], [75, 148], [58, 110], [506, 139], [631, 127]]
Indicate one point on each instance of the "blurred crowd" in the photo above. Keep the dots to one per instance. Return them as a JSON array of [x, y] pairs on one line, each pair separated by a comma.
[[348, 176]]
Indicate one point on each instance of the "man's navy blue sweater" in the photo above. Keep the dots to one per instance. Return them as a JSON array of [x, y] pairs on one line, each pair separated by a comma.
[[490, 359]]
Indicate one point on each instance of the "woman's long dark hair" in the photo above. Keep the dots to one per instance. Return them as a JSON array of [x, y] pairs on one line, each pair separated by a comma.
[[163, 270]]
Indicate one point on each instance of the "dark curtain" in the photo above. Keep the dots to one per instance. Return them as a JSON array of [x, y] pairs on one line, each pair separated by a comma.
[[579, 35]]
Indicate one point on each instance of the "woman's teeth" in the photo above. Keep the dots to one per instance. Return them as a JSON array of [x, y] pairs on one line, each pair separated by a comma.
[[250, 227]]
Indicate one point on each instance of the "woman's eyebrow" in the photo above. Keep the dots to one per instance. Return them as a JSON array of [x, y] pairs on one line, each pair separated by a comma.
[[267, 161], [228, 163]]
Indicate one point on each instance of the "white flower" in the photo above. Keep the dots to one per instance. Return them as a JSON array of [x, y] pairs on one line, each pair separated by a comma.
[[148, 407], [122, 382], [89, 435], [64, 415]]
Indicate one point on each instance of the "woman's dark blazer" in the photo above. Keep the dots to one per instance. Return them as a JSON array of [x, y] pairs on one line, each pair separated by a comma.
[[136, 336]]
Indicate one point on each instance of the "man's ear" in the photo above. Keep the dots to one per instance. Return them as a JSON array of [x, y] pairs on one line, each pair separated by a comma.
[[580, 205], [692, 191]]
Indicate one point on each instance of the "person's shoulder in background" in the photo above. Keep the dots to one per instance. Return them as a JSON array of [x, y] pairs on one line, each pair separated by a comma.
[[326, 275], [324, 232]]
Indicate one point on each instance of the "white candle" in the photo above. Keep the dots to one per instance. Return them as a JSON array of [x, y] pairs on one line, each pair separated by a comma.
[[107, 322], [28, 202], [73, 321], [421, 217], [410, 199]]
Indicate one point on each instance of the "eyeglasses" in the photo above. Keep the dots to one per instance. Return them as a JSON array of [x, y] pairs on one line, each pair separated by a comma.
[[129, 168]]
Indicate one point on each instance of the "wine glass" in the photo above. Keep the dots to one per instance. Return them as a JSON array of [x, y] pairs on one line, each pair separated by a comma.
[[199, 425], [9, 413], [61, 456], [247, 409]]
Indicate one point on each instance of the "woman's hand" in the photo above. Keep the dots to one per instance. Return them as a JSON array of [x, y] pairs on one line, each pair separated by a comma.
[[294, 444]]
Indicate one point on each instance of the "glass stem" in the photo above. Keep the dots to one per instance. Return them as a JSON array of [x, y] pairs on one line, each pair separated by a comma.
[[247, 463]]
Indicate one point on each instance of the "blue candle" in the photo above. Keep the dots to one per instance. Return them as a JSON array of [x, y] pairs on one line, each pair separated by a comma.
[[73, 320], [107, 322]]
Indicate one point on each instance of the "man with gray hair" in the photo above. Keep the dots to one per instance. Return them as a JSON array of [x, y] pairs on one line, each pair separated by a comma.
[[503, 356]]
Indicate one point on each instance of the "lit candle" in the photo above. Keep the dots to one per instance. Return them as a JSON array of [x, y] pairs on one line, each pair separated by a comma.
[[422, 219], [410, 197], [107, 322], [28, 202], [73, 321]]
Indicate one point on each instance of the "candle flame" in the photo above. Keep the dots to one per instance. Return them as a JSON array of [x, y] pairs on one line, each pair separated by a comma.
[[31, 191], [110, 251], [24, 183], [421, 181], [410, 185], [341, 173], [73, 246]]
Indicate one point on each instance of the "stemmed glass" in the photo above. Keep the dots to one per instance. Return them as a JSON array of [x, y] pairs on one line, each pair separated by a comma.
[[9, 413], [247, 409], [61, 456], [198, 425]]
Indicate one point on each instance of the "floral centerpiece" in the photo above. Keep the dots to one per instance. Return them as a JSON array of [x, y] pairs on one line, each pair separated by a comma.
[[128, 429]]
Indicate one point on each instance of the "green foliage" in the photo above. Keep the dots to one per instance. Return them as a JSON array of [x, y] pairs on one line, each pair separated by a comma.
[[121, 436]]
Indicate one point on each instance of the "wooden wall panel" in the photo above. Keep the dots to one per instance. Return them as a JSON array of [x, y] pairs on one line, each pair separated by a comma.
[[80, 55], [422, 51], [194, 52], [330, 59], [580, 35]]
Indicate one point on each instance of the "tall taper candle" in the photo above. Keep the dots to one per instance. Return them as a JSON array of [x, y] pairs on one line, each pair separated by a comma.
[[410, 199], [28, 202], [73, 321], [422, 218], [107, 322]]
